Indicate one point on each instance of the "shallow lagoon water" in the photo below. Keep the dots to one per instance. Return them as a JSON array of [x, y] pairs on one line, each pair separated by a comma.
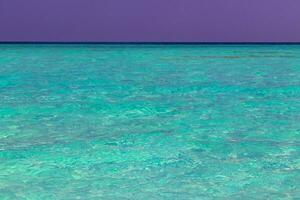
[[149, 122]]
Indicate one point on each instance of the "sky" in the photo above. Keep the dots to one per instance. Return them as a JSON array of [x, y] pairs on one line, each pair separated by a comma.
[[150, 20]]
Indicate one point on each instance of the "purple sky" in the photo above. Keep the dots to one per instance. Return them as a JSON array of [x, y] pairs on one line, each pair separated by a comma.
[[150, 20]]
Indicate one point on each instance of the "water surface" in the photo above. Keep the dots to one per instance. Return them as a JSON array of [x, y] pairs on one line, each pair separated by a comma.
[[149, 122]]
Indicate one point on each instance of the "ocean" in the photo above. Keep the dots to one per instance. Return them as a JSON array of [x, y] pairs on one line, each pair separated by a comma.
[[96, 121]]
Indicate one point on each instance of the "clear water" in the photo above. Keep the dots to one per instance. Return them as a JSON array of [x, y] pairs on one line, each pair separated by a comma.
[[149, 122]]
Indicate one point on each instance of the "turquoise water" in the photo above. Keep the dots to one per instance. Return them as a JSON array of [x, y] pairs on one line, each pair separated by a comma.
[[149, 122]]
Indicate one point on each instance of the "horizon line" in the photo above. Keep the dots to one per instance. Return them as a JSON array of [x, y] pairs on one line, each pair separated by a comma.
[[151, 43]]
